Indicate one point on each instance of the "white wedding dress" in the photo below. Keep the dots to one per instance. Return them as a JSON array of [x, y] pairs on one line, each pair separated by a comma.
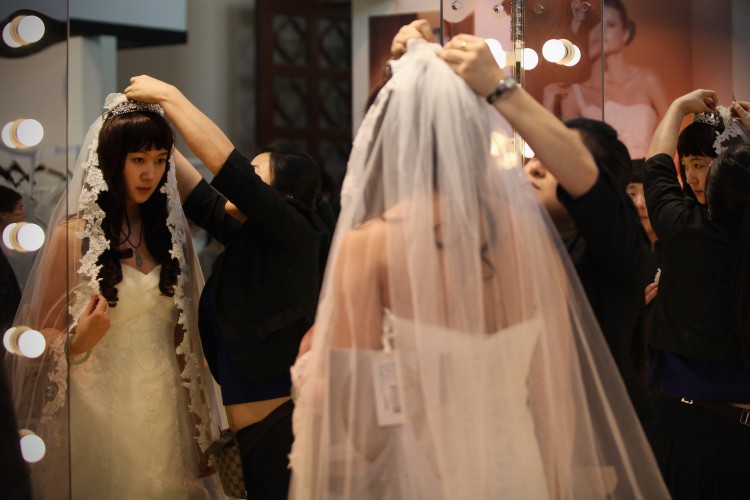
[[131, 435], [400, 461]]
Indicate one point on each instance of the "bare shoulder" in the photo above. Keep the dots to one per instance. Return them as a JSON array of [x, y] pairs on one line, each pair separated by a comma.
[[66, 233], [365, 237], [647, 76]]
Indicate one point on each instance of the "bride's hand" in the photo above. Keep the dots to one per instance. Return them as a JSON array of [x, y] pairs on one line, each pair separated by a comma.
[[92, 326]]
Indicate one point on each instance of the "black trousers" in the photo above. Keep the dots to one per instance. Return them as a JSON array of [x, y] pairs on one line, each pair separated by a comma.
[[264, 449], [701, 454]]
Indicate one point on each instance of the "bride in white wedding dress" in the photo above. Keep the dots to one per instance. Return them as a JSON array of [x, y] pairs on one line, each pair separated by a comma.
[[121, 396], [454, 354]]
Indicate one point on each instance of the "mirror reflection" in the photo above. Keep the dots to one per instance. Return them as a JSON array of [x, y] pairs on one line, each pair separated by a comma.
[[303, 74]]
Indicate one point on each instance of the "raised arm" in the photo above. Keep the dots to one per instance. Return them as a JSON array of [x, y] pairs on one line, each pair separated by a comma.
[[668, 131], [202, 135], [187, 176], [559, 148]]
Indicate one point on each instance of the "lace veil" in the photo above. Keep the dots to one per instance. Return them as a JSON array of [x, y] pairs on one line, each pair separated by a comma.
[[454, 353], [61, 282]]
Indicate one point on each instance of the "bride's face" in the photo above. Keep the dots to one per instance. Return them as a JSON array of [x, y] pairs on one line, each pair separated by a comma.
[[142, 172]]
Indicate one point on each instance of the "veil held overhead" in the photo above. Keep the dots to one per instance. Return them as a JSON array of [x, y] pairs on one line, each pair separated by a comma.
[[455, 354]]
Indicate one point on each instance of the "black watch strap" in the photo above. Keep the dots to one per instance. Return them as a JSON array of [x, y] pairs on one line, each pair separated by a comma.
[[505, 84]]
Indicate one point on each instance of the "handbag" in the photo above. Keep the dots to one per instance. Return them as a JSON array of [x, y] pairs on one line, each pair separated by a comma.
[[226, 454]]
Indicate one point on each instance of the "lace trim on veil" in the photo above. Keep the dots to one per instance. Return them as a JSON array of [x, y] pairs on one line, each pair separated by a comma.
[[731, 129]]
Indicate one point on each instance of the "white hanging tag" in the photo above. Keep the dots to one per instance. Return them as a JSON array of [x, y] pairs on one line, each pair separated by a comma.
[[388, 394]]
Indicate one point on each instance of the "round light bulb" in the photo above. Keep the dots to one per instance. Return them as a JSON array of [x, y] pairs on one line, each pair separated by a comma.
[[530, 59], [30, 237], [553, 50], [6, 136], [576, 56], [8, 37], [32, 446], [29, 132], [527, 151], [31, 29], [6, 339], [7, 235], [497, 51], [31, 343]]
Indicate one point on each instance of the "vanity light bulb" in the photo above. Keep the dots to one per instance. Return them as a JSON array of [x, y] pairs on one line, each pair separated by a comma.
[[23, 341], [553, 50], [32, 446], [31, 29], [6, 339], [22, 133], [31, 343], [576, 57], [7, 235], [29, 132], [30, 237], [530, 59], [8, 37], [23, 237], [6, 135]]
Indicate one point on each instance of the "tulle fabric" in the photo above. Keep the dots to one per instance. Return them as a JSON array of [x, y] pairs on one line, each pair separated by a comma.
[[62, 280], [454, 353]]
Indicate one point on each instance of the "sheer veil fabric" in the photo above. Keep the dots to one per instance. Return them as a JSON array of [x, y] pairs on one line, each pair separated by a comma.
[[62, 280], [455, 354]]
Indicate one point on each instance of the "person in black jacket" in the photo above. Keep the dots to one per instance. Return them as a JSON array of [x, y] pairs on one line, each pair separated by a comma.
[[701, 323], [263, 291]]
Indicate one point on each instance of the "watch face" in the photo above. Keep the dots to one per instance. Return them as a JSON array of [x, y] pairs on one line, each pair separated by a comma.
[[504, 85]]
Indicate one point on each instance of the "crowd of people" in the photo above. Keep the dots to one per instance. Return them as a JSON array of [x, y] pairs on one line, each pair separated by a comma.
[[571, 327]]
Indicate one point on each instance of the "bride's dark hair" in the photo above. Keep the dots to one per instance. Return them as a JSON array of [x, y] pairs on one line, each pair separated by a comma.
[[120, 135]]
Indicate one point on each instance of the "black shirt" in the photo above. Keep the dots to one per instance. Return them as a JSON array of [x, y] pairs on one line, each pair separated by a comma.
[[267, 279], [612, 256], [692, 309], [10, 295]]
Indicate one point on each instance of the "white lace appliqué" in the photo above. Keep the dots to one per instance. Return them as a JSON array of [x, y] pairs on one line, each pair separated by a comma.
[[732, 129]]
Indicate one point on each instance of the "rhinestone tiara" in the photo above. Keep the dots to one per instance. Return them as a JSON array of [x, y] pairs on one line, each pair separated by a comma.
[[134, 107], [712, 119]]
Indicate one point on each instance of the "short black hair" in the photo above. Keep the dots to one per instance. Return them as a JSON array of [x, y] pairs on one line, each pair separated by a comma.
[[638, 171], [608, 150], [728, 187], [294, 173]]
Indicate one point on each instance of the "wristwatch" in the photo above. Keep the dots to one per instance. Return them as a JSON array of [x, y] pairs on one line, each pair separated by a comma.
[[505, 84]]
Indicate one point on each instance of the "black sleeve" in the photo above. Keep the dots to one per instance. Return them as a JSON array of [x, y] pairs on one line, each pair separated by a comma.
[[263, 206], [205, 207], [614, 236], [10, 294], [665, 198]]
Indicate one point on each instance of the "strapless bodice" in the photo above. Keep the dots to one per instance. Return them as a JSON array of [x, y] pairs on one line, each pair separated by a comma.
[[138, 294]]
